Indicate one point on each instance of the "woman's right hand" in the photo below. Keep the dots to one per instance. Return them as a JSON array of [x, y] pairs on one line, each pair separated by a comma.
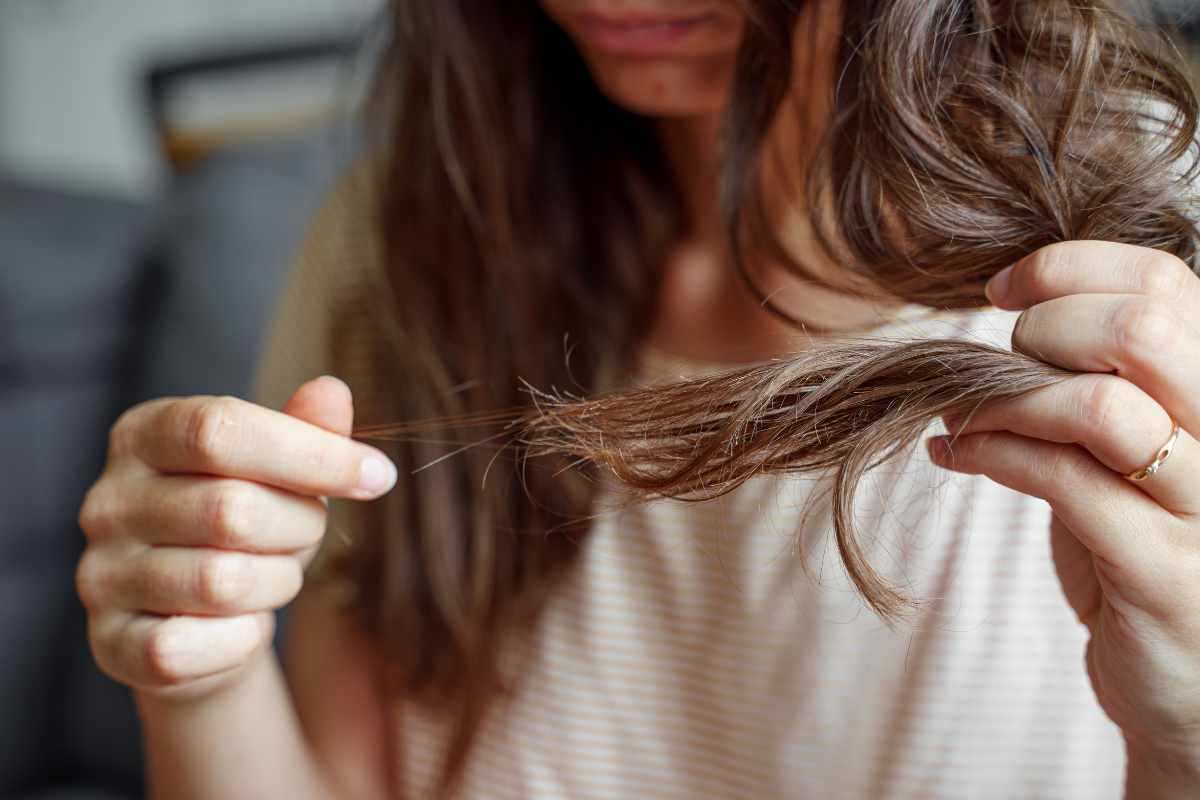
[[201, 524]]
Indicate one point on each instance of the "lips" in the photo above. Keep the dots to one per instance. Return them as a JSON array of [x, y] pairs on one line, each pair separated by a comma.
[[640, 34]]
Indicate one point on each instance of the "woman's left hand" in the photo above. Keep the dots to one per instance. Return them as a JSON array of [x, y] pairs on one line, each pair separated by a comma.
[[1128, 553]]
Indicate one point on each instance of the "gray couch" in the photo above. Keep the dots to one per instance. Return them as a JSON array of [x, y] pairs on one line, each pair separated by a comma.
[[105, 302], [69, 283]]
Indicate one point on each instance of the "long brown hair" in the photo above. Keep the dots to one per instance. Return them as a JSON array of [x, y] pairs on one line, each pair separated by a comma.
[[524, 218]]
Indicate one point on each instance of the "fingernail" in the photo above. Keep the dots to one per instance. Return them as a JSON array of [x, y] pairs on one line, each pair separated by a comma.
[[377, 475], [938, 446], [334, 380], [997, 288]]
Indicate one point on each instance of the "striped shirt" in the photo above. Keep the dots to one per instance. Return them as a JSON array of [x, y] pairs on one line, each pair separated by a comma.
[[720, 650]]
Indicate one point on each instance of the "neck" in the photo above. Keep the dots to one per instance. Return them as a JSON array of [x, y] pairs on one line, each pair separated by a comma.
[[706, 312], [693, 147]]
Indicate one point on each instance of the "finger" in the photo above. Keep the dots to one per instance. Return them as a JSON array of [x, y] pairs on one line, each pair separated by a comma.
[[1135, 537], [189, 511], [1093, 268], [325, 402], [185, 580], [229, 437], [1144, 341], [154, 652], [1117, 422]]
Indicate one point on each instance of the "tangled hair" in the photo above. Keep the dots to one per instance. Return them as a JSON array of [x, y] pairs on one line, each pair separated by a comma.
[[965, 135], [845, 407]]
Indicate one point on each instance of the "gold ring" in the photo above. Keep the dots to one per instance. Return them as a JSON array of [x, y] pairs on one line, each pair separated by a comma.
[[1155, 465]]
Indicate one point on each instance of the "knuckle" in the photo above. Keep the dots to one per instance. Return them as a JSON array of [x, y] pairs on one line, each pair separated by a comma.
[[223, 581], [90, 584], [1162, 273], [207, 427], [105, 648], [264, 632], [312, 532], [1101, 403], [1047, 268], [122, 433], [161, 655], [295, 580], [127, 430], [97, 514], [1145, 330], [227, 514], [1183, 580]]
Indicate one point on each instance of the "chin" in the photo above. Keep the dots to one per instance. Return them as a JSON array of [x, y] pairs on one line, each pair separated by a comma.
[[662, 58], [666, 89]]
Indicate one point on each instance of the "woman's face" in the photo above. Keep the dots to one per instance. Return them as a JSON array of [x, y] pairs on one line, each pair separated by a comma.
[[663, 58]]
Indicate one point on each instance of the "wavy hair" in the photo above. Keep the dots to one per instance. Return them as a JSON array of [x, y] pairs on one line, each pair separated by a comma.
[[524, 218]]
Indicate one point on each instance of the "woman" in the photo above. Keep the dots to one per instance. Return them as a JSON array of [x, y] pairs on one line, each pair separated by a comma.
[[563, 210]]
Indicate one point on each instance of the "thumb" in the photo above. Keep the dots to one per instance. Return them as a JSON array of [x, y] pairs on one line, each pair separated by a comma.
[[325, 402]]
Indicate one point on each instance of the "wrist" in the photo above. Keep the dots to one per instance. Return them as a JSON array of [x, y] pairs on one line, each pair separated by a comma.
[[1156, 774]]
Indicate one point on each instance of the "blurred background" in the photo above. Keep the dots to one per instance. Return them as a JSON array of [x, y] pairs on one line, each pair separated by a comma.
[[159, 161]]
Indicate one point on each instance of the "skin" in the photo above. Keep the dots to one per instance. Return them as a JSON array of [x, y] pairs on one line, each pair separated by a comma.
[[199, 527], [209, 508], [686, 94], [1127, 554]]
